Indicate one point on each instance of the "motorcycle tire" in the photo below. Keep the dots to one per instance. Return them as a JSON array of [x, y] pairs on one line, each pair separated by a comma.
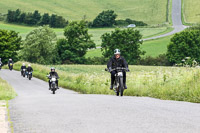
[[121, 86], [29, 77]]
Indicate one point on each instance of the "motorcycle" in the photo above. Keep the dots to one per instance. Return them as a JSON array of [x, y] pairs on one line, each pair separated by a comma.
[[11, 66], [29, 75], [23, 72], [118, 83], [53, 86], [0, 66]]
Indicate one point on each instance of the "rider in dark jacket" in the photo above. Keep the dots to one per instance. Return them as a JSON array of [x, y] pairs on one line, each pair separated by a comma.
[[53, 73], [23, 67], [29, 69], [117, 61]]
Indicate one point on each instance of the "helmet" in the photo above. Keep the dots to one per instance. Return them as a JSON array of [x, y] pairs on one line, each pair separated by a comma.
[[52, 69], [23, 64], [10, 59], [29, 65], [117, 51]]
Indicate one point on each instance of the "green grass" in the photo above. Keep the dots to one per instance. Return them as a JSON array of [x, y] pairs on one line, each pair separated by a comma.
[[96, 32], [149, 11], [191, 11], [6, 91], [152, 47], [168, 83]]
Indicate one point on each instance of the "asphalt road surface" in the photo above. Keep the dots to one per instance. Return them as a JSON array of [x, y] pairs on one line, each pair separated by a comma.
[[37, 110], [176, 20]]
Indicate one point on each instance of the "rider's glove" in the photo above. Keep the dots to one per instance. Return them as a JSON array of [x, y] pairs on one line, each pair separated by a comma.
[[127, 69], [109, 69]]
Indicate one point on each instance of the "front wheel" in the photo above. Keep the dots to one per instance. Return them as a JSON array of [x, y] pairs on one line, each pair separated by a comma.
[[29, 77], [121, 86]]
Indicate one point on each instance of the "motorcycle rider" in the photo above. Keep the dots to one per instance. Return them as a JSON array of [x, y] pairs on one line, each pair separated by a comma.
[[10, 62], [29, 69], [23, 67], [117, 61], [53, 73]]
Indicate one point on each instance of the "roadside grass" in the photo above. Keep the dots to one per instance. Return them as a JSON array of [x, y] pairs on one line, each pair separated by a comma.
[[6, 91], [190, 12], [152, 47], [149, 11], [168, 83]]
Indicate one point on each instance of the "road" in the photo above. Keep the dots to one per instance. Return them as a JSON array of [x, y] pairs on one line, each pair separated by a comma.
[[37, 110], [176, 20]]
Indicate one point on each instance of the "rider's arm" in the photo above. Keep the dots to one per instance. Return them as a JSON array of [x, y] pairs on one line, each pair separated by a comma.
[[109, 64]]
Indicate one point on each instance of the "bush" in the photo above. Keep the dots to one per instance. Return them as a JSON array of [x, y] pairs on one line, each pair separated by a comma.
[[161, 60], [184, 44]]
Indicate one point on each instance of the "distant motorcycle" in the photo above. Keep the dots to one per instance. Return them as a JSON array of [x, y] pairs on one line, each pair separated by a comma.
[[118, 83], [53, 86], [11, 66], [0, 66], [23, 72], [29, 75]]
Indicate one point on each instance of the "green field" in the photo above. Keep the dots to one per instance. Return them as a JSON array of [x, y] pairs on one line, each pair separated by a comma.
[[152, 47], [6, 91], [96, 32], [172, 83], [191, 11], [149, 11]]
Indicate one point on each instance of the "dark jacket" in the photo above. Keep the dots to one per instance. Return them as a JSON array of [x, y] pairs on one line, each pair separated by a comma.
[[29, 69], [54, 74], [113, 62], [9, 62], [23, 67]]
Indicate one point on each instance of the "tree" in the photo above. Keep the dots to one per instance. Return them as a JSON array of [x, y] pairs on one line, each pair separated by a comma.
[[127, 40], [9, 45], [10, 16], [105, 19], [184, 44], [45, 19], [77, 42], [36, 17], [39, 46]]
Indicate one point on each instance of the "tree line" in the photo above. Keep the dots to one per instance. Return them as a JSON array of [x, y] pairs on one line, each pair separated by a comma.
[[104, 19], [42, 46], [35, 18]]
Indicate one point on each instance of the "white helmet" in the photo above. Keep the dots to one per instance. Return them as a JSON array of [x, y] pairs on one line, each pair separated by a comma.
[[29, 65], [10, 59], [23, 64], [117, 51]]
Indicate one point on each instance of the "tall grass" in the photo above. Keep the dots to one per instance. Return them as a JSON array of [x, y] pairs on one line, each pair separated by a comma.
[[6, 91], [172, 83]]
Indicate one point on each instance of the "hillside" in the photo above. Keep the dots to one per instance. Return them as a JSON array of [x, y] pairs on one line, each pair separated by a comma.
[[149, 11], [191, 11]]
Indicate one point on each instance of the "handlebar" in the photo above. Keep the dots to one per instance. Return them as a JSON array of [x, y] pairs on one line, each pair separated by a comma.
[[117, 68]]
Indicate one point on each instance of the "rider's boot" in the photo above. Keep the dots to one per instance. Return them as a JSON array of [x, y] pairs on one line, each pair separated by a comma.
[[111, 87], [125, 87]]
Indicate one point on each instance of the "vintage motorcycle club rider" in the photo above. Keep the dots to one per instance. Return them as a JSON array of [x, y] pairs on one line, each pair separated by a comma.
[[10, 62], [117, 61], [23, 67], [53, 73], [29, 69]]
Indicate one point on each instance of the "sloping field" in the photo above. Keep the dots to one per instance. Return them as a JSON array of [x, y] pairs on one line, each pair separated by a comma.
[[191, 11], [149, 11]]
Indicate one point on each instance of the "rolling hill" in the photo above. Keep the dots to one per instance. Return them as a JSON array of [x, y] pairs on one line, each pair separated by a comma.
[[149, 11], [191, 11]]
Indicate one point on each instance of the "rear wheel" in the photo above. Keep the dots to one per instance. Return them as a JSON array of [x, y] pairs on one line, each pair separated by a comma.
[[121, 86]]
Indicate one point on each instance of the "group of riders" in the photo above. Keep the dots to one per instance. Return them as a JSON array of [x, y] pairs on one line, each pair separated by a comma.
[[116, 61]]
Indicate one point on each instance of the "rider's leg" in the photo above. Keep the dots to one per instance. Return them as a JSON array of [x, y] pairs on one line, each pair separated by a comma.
[[124, 79], [49, 85], [57, 84], [112, 79], [21, 72]]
